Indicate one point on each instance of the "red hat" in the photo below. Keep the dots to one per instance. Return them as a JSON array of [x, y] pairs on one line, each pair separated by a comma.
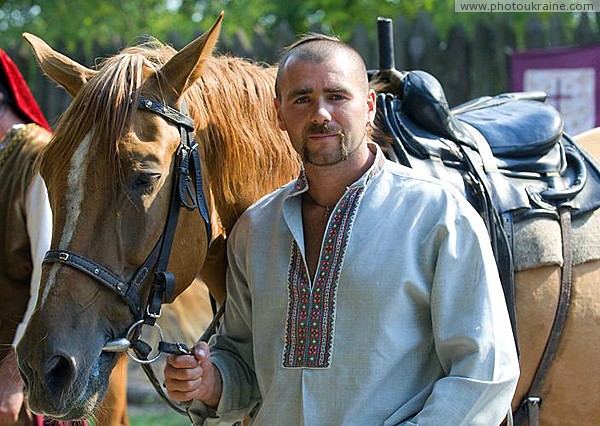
[[23, 100]]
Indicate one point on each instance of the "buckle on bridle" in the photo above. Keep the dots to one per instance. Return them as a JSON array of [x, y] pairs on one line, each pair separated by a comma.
[[153, 315]]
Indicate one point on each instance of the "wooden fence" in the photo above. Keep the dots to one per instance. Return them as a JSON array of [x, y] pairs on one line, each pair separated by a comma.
[[467, 64]]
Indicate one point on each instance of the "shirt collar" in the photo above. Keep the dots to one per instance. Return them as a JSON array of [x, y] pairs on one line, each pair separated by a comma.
[[301, 184]]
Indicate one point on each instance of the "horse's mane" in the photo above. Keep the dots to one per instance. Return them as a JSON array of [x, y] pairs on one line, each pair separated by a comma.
[[102, 108], [232, 105], [246, 152]]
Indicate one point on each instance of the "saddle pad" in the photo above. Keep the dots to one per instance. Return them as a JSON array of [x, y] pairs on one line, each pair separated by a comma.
[[538, 242], [516, 127]]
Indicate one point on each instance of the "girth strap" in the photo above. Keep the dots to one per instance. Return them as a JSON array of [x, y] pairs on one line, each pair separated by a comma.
[[529, 412]]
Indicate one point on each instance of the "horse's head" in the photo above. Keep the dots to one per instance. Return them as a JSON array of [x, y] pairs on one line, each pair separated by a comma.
[[110, 171]]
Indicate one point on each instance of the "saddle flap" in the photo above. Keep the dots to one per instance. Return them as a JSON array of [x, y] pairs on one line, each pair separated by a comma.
[[516, 127]]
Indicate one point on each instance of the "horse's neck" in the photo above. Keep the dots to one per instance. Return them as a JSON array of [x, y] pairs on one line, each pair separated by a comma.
[[230, 203], [246, 154]]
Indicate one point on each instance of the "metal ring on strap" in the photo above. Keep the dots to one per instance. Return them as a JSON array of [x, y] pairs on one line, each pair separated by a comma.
[[131, 354]]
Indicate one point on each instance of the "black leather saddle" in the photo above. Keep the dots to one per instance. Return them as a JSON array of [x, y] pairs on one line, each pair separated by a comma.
[[508, 154], [512, 145]]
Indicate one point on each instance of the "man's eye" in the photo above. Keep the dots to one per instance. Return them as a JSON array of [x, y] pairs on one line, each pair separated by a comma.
[[301, 100]]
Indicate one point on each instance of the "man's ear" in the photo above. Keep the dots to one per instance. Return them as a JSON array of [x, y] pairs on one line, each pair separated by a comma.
[[371, 105]]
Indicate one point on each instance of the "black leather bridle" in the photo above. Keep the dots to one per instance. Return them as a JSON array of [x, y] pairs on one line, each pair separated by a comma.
[[188, 193], [187, 181]]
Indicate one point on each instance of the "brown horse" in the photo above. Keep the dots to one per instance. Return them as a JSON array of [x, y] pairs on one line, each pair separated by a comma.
[[109, 175]]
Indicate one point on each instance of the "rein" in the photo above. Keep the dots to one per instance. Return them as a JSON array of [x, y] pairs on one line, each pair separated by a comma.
[[188, 179]]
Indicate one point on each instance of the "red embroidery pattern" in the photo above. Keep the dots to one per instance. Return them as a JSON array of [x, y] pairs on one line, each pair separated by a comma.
[[311, 310]]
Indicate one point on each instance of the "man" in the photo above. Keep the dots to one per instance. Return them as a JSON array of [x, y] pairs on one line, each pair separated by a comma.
[[25, 227], [360, 294]]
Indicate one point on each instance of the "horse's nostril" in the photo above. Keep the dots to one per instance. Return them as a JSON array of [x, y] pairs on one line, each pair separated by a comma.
[[59, 372]]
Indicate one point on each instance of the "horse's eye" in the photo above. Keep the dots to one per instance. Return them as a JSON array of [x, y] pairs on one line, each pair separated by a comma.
[[145, 181]]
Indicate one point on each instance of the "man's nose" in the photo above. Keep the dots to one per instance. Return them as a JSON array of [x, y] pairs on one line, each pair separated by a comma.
[[321, 113]]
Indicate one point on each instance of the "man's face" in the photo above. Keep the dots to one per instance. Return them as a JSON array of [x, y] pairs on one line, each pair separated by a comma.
[[325, 108]]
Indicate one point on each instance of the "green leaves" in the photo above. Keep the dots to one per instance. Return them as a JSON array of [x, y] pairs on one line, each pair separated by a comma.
[[91, 24]]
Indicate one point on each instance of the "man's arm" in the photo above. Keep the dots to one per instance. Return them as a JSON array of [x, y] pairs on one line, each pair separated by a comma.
[[472, 332], [233, 391], [39, 229], [11, 389]]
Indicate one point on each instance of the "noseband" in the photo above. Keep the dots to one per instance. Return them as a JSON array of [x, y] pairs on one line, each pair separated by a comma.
[[188, 179]]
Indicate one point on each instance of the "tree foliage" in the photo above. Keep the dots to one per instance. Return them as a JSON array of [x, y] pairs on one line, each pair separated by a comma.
[[93, 23]]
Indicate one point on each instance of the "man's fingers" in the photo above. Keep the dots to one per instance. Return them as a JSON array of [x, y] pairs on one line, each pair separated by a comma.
[[183, 390], [174, 385], [201, 351], [182, 361], [183, 373], [182, 396], [189, 377]]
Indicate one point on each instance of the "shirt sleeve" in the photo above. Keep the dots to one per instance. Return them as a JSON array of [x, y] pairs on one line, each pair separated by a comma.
[[473, 338], [232, 352], [39, 228]]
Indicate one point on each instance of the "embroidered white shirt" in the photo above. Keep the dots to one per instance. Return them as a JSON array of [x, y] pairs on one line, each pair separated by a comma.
[[404, 322]]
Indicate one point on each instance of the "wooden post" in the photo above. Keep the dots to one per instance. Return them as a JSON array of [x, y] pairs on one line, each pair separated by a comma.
[[557, 33], [365, 45], [584, 34], [535, 34], [456, 80], [483, 66], [424, 46]]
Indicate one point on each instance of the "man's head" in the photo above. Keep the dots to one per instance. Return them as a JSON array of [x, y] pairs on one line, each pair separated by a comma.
[[323, 99], [317, 48]]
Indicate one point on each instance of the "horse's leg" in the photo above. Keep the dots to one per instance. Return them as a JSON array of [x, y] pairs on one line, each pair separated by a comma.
[[113, 410], [571, 391]]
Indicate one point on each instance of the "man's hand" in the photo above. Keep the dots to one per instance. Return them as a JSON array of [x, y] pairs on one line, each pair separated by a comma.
[[189, 377], [11, 390]]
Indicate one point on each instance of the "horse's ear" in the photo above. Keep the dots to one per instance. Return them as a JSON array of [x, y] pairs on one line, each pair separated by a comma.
[[63, 70], [183, 69]]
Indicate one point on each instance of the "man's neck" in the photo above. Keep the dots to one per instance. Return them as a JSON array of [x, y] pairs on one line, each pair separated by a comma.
[[328, 184]]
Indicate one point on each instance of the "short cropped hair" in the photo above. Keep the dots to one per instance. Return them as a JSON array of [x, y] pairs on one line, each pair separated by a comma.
[[314, 47]]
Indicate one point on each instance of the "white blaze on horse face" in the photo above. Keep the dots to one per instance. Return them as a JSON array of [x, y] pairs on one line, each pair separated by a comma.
[[73, 202]]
